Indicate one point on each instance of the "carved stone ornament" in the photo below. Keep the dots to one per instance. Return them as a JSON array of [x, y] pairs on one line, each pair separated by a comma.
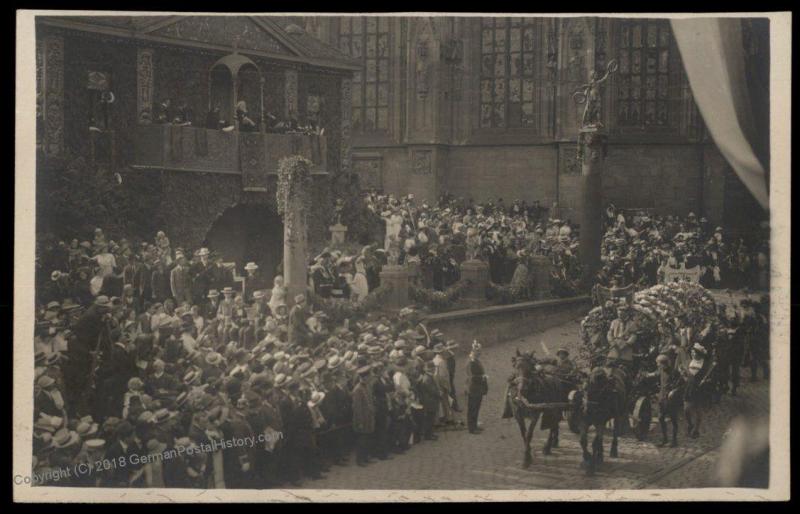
[[422, 162], [144, 85], [54, 95]]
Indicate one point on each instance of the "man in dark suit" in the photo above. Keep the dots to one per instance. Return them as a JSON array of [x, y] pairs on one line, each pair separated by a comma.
[[363, 416], [221, 277], [381, 387], [428, 393], [201, 274], [159, 282], [337, 411], [179, 281], [263, 418], [127, 471], [476, 389]]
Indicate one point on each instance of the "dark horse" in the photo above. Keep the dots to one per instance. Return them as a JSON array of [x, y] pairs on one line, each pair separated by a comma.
[[601, 399], [527, 387]]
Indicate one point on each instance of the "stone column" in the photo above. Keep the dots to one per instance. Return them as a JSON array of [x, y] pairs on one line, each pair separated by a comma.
[[395, 279], [541, 267], [295, 250], [591, 148], [347, 114], [477, 272]]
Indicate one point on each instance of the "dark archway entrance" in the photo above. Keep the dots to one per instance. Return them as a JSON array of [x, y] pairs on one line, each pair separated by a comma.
[[246, 233]]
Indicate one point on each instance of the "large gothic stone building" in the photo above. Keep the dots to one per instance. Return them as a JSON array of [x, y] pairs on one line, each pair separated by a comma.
[[484, 108]]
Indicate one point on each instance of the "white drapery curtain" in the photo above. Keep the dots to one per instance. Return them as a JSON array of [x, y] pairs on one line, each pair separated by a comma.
[[714, 59]]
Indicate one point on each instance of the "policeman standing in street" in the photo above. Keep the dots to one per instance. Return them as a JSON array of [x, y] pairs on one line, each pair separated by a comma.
[[477, 387]]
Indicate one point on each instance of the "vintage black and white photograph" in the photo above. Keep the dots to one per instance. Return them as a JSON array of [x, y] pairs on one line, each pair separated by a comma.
[[303, 257]]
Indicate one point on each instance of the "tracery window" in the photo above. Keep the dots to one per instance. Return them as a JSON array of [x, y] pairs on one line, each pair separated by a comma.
[[508, 90], [367, 38], [643, 88]]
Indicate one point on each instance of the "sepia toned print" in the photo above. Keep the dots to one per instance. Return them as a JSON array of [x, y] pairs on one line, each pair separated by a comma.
[[428, 257]]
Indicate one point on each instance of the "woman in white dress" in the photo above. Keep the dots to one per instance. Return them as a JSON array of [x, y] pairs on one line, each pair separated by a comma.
[[359, 288], [278, 297], [394, 222]]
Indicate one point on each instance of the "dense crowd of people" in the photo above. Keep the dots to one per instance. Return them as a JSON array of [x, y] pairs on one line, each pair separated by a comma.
[[156, 357], [436, 239], [160, 367], [638, 248]]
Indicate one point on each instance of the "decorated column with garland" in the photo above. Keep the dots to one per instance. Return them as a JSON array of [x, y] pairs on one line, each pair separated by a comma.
[[294, 202]]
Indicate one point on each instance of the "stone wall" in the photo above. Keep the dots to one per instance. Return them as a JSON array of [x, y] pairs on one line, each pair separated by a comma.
[[493, 325], [508, 172]]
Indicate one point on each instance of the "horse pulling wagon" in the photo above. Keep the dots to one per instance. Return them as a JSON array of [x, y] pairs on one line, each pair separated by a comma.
[[614, 387]]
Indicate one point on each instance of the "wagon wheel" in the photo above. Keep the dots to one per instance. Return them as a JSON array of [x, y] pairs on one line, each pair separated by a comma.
[[641, 417]]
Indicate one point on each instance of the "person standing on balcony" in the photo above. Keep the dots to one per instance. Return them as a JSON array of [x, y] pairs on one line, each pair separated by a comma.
[[184, 115], [164, 111], [213, 118], [242, 116]]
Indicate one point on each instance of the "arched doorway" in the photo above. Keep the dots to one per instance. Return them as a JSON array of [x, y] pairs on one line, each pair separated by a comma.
[[249, 232]]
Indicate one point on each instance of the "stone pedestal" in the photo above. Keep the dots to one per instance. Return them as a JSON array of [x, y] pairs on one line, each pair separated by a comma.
[[395, 279], [477, 272], [540, 267], [295, 252], [591, 150], [338, 232]]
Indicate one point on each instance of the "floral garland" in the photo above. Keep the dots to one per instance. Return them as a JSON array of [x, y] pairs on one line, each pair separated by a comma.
[[503, 293], [439, 301], [338, 311], [294, 184]]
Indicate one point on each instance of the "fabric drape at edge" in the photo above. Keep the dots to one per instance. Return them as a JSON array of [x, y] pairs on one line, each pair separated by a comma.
[[714, 60]]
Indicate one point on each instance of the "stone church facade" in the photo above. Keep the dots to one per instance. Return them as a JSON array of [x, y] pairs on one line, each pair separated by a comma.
[[483, 108]]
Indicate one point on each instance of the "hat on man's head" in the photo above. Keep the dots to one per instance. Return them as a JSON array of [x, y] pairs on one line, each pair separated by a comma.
[[102, 301], [251, 266], [45, 381], [203, 251]]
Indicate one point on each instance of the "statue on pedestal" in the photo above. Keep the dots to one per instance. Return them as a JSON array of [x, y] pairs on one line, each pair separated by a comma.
[[338, 210], [589, 94]]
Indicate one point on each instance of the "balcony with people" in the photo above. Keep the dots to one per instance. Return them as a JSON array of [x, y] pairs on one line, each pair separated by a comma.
[[237, 135]]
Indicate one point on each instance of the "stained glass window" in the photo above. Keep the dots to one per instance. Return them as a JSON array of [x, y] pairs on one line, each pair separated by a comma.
[[643, 50], [367, 38], [508, 56]]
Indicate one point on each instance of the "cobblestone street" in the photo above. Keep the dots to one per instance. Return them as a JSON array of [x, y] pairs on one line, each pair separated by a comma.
[[492, 460]]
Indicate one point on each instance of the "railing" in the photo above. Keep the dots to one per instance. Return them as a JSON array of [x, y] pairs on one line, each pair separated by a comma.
[[251, 154]]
